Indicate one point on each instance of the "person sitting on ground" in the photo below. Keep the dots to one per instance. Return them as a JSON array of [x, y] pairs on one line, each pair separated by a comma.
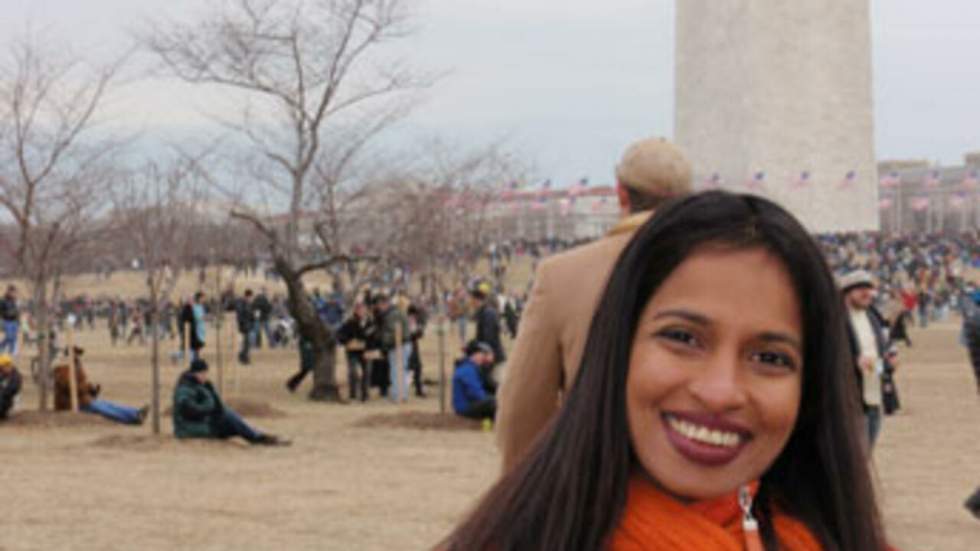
[[471, 396], [10, 383], [198, 411], [87, 395]]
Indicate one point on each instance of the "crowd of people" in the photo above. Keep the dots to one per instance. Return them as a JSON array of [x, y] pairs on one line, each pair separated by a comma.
[[725, 371]]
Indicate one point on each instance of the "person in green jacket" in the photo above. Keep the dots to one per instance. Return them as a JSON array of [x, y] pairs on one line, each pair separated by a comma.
[[198, 411]]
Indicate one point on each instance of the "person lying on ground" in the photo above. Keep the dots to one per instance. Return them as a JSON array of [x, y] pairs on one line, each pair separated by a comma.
[[88, 396], [10, 383], [471, 396], [199, 412]]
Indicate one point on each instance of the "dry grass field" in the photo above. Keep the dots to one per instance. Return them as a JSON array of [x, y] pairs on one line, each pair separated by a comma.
[[351, 483]]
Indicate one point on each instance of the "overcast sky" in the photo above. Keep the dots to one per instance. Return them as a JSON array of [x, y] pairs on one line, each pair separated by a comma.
[[571, 82]]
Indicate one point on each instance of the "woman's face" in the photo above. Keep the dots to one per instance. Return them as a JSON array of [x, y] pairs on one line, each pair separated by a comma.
[[715, 372]]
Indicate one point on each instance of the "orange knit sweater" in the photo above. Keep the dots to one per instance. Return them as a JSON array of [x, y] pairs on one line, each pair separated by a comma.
[[654, 521]]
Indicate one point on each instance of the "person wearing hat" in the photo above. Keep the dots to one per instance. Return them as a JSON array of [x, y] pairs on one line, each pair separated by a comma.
[[546, 355], [874, 360], [199, 412], [472, 397], [10, 383]]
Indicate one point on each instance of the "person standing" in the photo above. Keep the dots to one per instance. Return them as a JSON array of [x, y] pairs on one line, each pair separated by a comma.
[[393, 322], [198, 325], [456, 310], [554, 324], [245, 316], [263, 312], [417, 319], [868, 345], [487, 322], [10, 314], [352, 335], [971, 330]]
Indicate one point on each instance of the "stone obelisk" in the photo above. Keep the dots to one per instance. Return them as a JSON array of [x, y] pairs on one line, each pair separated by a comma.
[[775, 97]]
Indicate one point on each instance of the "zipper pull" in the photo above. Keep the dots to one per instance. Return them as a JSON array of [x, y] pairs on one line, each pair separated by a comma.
[[750, 527]]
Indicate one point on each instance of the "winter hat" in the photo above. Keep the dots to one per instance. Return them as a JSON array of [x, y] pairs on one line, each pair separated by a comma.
[[6, 361], [656, 167], [198, 365], [475, 346], [857, 278]]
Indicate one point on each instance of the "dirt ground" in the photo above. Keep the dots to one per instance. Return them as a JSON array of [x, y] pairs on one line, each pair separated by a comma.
[[354, 479]]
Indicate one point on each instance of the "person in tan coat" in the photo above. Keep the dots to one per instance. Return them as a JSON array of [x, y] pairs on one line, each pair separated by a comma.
[[88, 395], [566, 291]]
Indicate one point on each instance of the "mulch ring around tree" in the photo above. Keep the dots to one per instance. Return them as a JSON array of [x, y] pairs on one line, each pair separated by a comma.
[[419, 420], [247, 408], [54, 419]]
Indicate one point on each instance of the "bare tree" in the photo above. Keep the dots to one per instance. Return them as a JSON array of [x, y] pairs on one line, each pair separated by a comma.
[[155, 209], [302, 67], [53, 175]]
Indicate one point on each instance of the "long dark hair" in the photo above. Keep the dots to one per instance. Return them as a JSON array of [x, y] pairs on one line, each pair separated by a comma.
[[570, 490]]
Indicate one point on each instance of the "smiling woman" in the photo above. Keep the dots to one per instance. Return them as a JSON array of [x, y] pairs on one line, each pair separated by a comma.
[[714, 408]]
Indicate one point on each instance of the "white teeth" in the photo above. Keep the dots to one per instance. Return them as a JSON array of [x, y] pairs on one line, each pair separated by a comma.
[[703, 434]]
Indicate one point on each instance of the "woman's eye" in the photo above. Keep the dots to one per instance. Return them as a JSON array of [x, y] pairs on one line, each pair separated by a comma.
[[776, 359], [679, 335]]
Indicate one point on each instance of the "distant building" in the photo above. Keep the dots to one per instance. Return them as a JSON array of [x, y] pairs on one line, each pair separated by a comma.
[[916, 197], [570, 214]]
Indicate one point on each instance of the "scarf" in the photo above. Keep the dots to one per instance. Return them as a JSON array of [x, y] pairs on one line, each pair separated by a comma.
[[654, 521]]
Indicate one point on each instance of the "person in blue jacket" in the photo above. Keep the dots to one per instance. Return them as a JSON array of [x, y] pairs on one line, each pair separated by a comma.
[[472, 392]]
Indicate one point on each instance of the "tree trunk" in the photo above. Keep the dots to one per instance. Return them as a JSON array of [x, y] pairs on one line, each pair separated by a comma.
[[322, 341], [41, 325], [155, 357]]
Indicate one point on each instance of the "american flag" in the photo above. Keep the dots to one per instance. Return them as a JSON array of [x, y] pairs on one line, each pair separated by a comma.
[[890, 180], [919, 203], [957, 201], [885, 204], [565, 206], [849, 179], [803, 180], [713, 181], [757, 182], [933, 179], [579, 188], [970, 180], [545, 186]]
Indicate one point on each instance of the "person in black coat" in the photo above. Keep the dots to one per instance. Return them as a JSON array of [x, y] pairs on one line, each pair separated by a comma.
[[352, 335], [417, 319], [971, 331], [487, 324], [245, 316]]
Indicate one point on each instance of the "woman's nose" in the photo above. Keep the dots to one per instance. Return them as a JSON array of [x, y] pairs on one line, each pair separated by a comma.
[[719, 386]]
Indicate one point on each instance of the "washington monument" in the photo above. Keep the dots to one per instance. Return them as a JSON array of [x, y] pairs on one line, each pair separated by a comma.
[[775, 97]]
